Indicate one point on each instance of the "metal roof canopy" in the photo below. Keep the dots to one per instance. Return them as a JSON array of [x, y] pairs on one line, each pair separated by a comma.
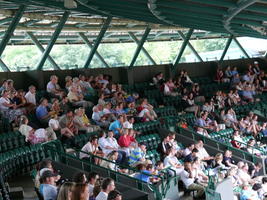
[[219, 18]]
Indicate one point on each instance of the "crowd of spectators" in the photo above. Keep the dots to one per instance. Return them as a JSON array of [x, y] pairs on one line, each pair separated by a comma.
[[71, 110]]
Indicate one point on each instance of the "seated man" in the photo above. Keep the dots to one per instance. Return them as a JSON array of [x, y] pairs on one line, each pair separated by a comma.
[[91, 147], [189, 180], [138, 156], [30, 95], [48, 187], [42, 113], [99, 117], [79, 123], [116, 126], [77, 99], [110, 144], [53, 88]]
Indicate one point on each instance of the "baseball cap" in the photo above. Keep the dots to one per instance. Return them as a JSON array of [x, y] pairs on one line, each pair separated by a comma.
[[48, 174]]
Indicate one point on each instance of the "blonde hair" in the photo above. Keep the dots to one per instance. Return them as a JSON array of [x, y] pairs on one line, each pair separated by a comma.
[[64, 191]]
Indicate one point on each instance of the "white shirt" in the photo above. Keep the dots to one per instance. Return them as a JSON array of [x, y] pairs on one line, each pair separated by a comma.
[[102, 196], [185, 178], [24, 129], [50, 87], [142, 113], [106, 111], [30, 97], [104, 142], [2, 101], [166, 89], [89, 148], [91, 189], [186, 152], [202, 153], [127, 125], [96, 116], [169, 159], [53, 123]]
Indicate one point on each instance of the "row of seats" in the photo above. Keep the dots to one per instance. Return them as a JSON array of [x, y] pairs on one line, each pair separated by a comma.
[[11, 140], [81, 139], [165, 111], [147, 127], [152, 140], [21, 160]]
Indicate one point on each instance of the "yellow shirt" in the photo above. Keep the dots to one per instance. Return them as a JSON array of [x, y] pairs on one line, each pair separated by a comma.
[[85, 119]]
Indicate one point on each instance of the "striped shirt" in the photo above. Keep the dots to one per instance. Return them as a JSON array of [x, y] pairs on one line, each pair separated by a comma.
[[136, 155]]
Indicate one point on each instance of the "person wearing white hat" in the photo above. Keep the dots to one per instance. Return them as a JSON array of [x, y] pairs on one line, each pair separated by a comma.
[[256, 68]]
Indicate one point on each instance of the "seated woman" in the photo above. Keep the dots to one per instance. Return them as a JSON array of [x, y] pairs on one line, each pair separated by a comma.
[[8, 109], [113, 157], [22, 103], [219, 76], [56, 107], [189, 105], [230, 119], [172, 162], [169, 88], [146, 173], [64, 132], [34, 136], [217, 163], [146, 112]]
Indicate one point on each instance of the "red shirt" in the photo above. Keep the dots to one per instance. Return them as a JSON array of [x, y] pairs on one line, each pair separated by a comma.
[[125, 140]]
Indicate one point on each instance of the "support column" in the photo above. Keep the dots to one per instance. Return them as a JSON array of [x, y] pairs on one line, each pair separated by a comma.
[[241, 48], [53, 40], [190, 46], [226, 48], [85, 39], [97, 42], [139, 47], [134, 38], [11, 28], [42, 49], [3, 66], [179, 56]]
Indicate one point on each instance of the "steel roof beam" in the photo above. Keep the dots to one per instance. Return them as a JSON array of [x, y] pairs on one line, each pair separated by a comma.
[[181, 51], [10, 31], [225, 3], [4, 66], [139, 46], [5, 20], [42, 49], [97, 41], [85, 39], [233, 12], [188, 6], [38, 16], [53, 40], [241, 47], [94, 29], [190, 46], [134, 38], [228, 43]]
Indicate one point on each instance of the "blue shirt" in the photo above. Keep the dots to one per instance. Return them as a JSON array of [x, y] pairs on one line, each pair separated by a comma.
[[114, 125], [48, 191], [201, 122], [247, 94], [41, 111], [143, 177]]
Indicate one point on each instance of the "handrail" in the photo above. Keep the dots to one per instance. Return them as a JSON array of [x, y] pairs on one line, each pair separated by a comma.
[[164, 182]]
